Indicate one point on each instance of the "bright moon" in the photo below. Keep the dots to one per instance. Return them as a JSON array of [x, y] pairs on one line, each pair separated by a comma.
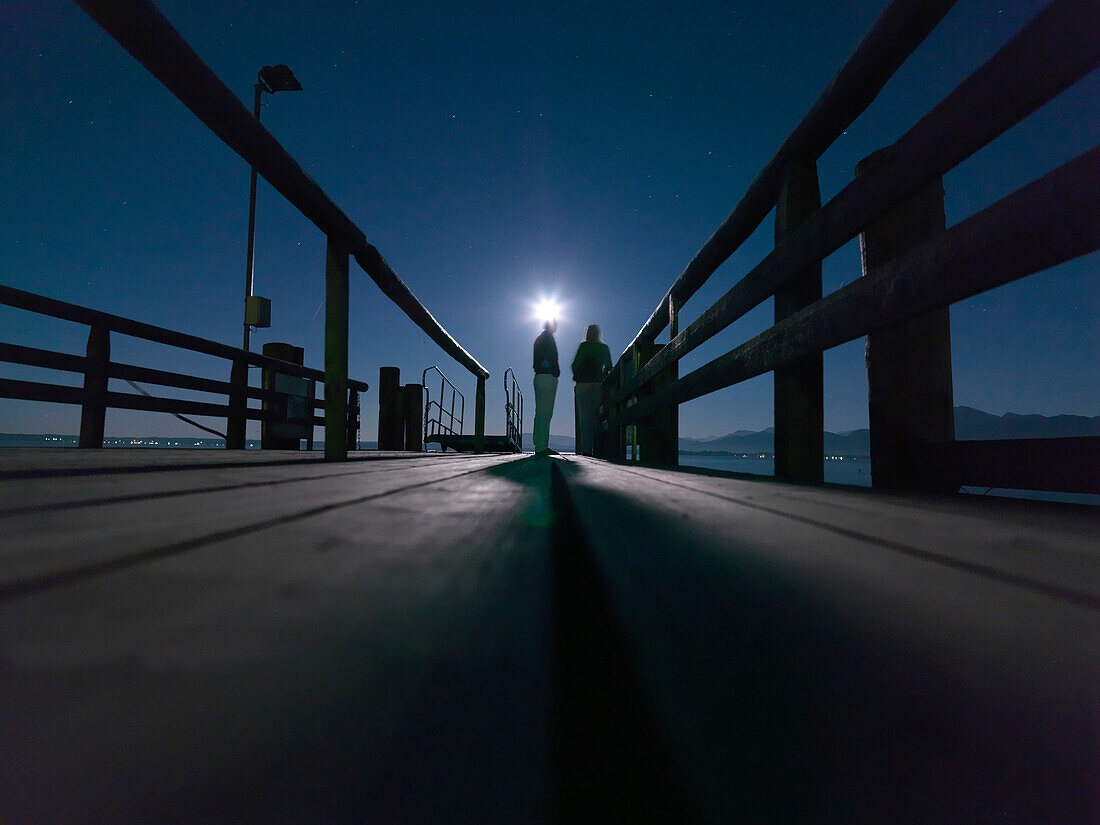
[[547, 309]]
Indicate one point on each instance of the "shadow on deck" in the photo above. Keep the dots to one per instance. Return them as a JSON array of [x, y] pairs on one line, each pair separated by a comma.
[[455, 638]]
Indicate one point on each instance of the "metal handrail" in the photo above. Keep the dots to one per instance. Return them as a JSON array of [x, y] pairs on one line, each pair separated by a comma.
[[513, 412], [441, 428]]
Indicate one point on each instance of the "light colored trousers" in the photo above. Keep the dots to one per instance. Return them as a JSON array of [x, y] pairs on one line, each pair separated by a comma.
[[588, 409], [546, 387]]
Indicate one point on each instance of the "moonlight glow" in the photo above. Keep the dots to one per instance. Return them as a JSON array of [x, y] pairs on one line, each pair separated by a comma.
[[547, 309]]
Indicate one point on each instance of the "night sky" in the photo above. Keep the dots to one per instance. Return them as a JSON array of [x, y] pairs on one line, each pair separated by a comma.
[[494, 153]]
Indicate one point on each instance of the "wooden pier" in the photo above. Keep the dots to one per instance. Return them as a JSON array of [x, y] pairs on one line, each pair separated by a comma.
[[191, 636]]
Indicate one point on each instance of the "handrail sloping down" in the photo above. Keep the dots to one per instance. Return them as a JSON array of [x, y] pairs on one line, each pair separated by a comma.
[[32, 302], [1057, 48], [1043, 224], [145, 33], [895, 35]]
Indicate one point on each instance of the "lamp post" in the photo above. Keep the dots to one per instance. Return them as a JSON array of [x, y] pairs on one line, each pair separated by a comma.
[[270, 79]]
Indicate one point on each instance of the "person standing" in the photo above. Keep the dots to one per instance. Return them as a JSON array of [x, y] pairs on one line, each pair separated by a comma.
[[546, 385], [591, 363]]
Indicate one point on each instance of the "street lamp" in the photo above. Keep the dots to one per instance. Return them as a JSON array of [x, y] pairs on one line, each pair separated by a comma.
[[270, 79]]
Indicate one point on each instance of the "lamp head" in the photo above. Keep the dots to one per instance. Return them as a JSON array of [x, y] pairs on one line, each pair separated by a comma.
[[278, 79]]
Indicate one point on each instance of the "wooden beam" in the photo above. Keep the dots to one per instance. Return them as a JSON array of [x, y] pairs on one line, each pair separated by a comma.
[[1052, 52], [895, 35], [1045, 223], [479, 416], [799, 395], [145, 33], [909, 391], [94, 408], [336, 350], [1069, 465]]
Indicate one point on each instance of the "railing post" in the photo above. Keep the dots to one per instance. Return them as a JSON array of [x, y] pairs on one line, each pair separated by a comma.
[[479, 416], [238, 404], [391, 433], [910, 397], [93, 412], [799, 393], [656, 441], [413, 402], [625, 367], [353, 421], [336, 350]]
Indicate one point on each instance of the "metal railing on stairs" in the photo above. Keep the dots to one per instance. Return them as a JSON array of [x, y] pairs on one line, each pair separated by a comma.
[[439, 413], [513, 410]]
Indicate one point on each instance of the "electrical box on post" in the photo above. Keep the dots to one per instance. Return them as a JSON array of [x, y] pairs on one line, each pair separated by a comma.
[[257, 311]]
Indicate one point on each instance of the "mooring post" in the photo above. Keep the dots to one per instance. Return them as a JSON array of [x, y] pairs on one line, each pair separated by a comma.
[[353, 421], [336, 350], [910, 397], [799, 393], [479, 416], [93, 412], [391, 430], [238, 404], [413, 403]]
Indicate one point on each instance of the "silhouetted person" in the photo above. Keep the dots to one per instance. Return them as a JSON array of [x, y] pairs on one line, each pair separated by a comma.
[[591, 363], [546, 384]]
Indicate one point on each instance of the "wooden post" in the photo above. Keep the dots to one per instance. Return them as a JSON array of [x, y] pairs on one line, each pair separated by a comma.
[[391, 432], [799, 394], [625, 367], [282, 434], [668, 421], [910, 397], [656, 437], [479, 416], [238, 403], [413, 403], [353, 421], [93, 413], [336, 350]]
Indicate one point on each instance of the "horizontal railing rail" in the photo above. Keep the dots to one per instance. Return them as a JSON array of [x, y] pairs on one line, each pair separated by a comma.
[[97, 369], [140, 28], [1045, 223]]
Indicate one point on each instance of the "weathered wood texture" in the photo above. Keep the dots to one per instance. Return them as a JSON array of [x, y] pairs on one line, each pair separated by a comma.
[[455, 638], [910, 401], [897, 32], [391, 430], [413, 403], [799, 390], [145, 33], [94, 407], [1051, 53], [1043, 224], [336, 349]]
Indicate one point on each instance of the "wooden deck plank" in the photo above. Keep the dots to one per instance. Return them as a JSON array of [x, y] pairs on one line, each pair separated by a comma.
[[374, 662], [127, 521], [808, 672], [463, 639]]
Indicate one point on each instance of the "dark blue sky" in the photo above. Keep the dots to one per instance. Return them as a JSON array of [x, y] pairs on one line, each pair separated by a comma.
[[493, 152]]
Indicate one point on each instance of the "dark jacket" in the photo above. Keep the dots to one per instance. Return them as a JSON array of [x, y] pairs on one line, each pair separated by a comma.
[[546, 354], [592, 362]]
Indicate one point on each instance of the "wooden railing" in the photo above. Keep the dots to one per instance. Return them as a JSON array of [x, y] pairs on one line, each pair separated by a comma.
[[913, 269], [97, 369], [142, 30]]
